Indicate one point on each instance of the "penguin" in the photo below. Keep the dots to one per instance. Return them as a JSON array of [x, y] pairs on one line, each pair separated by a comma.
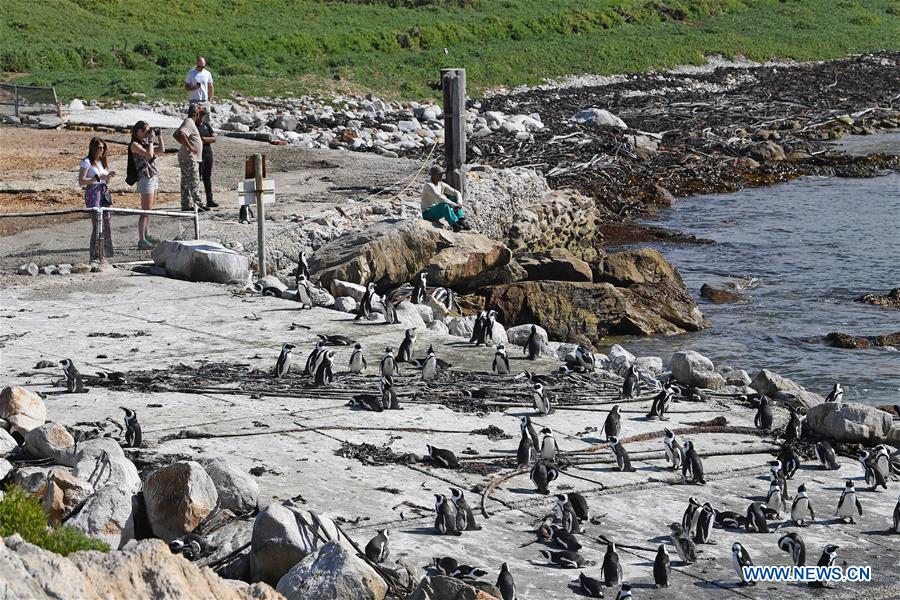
[[611, 568], [801, 508], [364, 308], [133, 436], [304, 293], [793, 544], [764, 417], [487, 331], [525, 453], [407, 346], [541, 402], [445, 565], [564, 539], [661, 402], [74, 383], [691, 515], [728, 519], [358, 362], [704, 526], [548, 445], [871, 473], [756, 518], [631, 385], [335, 339], [622, 458], [419, 294], [525, 424], [775, 500], [444, 297], [567, 515], [613, 421], [674, 452], [533, 345], [567, 559], [302, 268], [792, 429], [882, 460], [390, 312], [829, 555], [825, 454], [579, 505], [443, 458], [500, 366], [897, 516], [542, 473], [662, 568], [465, 519], [283, 364], [585, 359], [430, 368], [367, 402], [389, 399], [836, 394], [506, 584], [468, 573], [790, 461], [325, 370], [312, 359], [776, 475], [377, 549], [624, 592], [478, 328], [683, 543], [849, 504], [444, 521], [533, 378], [692, 464], [191, 546], [590, 587], [388, 365], [740, 558]]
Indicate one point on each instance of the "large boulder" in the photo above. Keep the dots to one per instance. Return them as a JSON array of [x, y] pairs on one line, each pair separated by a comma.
[[22, 409], [345, 288], [559, 219], [769, 383], [462, 326], [462, 256], [178, 497], [408, 315], [6, 468], [58, 489], [7, 443], [333, 573], [851, 422], [107, 515], [643, 265], [237, 491], [103, 462], [518, 335], [199, 260], [556, 264], [692, 368], [511, 272], [50, 440], [440, 587]]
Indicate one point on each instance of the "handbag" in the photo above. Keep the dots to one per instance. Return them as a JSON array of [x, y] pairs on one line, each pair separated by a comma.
[[106, 197]]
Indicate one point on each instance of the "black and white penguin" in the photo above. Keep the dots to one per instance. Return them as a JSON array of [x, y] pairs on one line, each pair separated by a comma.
[[756, 518], [506, 584], [567, 559], [468, 573], [430, 366], [662, 568], [622, 459], [794, 545], [283, 364], [542, 474], [661, 402], [590, 587], [312, 361], [792, 430], [740, 558], [133, 437], [775, 499], [389, 399], [585, 359], [776, 475], [367, 402], [674, 451], [390, 312], [377, 549], [871, 473], [548, 445], [533, 378], [445, 297], [465, 518], [883, 462], [533, 345], [325, 370], [564, 539], [364, 308], [358, 362], [407, 346], [624, 592], [826, 455], [836, 394], [388, 366], [541, 402], [897, 516], [848, 506], [445, 565], [444, 520], [631, 385], [764, 418], [442, 457], [579, 505], [612, 425], [419, 293], [790, 461], [567, 515], [728, 519], [683, 543], [691, 515], [304, 295], [525, 424], [829, 555], [74, 382], [705, 521], [692, 465], [478, 328], [335, 339], [500, 366], [487, 332], [802, 512], [611, 568], [191, 546], [302, 267]]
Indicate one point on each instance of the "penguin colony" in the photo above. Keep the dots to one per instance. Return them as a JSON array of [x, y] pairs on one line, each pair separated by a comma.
[[540, 454]]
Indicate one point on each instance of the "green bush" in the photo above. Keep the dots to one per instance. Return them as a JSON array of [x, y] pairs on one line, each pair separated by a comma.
[[23, 514]]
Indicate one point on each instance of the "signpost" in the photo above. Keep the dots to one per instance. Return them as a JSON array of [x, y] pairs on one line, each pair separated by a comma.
[[453, 83], [257, 189]]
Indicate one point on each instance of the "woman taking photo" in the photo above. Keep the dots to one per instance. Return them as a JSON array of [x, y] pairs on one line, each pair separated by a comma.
[[145, 143], [94, 176]]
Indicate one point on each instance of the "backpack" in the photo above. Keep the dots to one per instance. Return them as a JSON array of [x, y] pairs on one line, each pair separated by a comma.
[[131, 174]]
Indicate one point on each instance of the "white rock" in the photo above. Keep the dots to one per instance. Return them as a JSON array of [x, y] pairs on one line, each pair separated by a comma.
[[346, 288], [5, 469], [409, 126], [345, 304], [426, 312], [199, 260], [120, 471], [494, 118], [76, 105], [178, 497], [438, 327], [238, 491], [107, 515], [462, 326], [599, 116], [653, 364], [333, 573], [408, 315], [511, 127], [50, 440], [692, 368], [620, 358], [22, 409], [7, 444], [518, 335]]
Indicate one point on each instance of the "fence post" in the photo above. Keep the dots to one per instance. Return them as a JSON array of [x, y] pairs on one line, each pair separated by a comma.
[[453, 84], [99, 216], [17, 100], [260, 214], [196, 223]]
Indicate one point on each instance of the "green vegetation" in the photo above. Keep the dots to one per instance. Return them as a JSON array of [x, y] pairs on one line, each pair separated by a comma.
[[23, 514], [111, 48]]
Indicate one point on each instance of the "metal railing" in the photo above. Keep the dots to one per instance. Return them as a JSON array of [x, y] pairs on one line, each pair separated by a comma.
[[31, 99]]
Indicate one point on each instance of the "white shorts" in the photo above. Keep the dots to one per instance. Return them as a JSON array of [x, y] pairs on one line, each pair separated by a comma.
[[148, 185]]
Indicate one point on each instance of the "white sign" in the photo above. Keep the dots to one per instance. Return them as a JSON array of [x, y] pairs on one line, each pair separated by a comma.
[[247, 192]]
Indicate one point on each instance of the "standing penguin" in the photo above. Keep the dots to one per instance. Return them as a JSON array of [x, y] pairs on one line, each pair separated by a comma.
[[624, 592], [661, 402], [897, 516], [500, 366], [325, 370], [478, 328], [691, 515], [829, 555], [419, 293], [775, 500], [792, 429], [764, 417], [692, 464], [358, 360], [312, 361], [848, 505], [662, 569], [740, 558], [487, 332], [612, 568], [444, 520], [377, 549], [465, 518], [388, 395], [674, 451], [525, 453], [801, 509], [683, 543], [585, 359], [548, 445], [430, 367], [567, 515], [390, 312], [304, 294], [612, 424], [704, 526], [579, 505], [533, 344], [836, 394], [388, 365], [133, 435], [542, 473], [541, 402], [506, 584], [622, 458], [871, 473], [756, 518], [364, 308], [74, 383], [827, 457], [793, 544], [407, 346], [790, 461], [525, 424], [283, 364], [631, 385], [302, 267]]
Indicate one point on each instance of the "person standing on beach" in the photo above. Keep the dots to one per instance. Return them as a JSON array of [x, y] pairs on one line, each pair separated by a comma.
[[199, 82], [94, 176], [189, 155], [145, 143], [441, 201], [208, 136]]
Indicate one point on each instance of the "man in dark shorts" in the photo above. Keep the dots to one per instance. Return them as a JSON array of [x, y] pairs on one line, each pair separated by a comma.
[[206, 164]]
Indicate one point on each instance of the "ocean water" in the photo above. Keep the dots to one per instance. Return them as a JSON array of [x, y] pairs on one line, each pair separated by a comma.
[[801, 251]]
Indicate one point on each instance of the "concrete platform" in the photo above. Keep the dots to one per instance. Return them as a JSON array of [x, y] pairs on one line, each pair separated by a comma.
[[171, 322]]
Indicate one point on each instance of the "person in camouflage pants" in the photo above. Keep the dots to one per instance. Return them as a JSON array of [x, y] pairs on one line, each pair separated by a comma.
[[189, 157], [190, 184]]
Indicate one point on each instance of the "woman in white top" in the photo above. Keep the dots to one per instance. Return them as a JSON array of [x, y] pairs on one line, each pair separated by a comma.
[[144, 145], [94, 176]]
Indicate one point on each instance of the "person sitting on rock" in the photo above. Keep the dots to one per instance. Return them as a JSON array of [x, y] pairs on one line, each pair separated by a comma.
[[440, 201]]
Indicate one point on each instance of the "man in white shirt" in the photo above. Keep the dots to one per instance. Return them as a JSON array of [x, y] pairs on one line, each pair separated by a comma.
[[199, 83], [441, 201]]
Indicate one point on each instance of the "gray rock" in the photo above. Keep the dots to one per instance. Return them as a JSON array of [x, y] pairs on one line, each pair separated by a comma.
[[737, 377], [107, 515], [769, 383], [345, 304], [90, 464], [284, 122], [620, 358], [800, 398], [320, 296], [409, 126], [518, 335], [653, 364], [6, 468], [199, 260], [22, 409], [271, 281], [7, 443], [238, 491], [426, 312], [30, 269], [244, 119], [49, 270], [50, 440], [598, 117], [692, 368], [334, 573], [31, 479], [462, 326], [440, 587], [178, 497], [345, 288], [408, 315], [438, 327], [850, 422]]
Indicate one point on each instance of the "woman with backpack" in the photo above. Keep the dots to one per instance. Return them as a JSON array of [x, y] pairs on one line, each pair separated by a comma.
[[145, 143], [94, 176]]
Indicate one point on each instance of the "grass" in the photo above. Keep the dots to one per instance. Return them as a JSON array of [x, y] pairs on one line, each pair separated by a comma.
[[112, 48], [23, 514]]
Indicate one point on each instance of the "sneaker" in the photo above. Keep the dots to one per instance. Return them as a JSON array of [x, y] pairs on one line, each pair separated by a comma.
[[187, 209], [212, 204], [456, 227], [151, 239], [201, 208], [464, 225], [145, 245]]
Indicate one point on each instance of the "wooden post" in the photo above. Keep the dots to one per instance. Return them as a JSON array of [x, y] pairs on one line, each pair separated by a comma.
[[260, 214], [453, 84], [17, 100]]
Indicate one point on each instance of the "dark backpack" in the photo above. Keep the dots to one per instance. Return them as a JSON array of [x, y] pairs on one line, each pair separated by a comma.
[[131, 174]]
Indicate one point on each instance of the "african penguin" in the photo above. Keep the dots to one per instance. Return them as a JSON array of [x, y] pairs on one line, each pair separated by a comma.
[[478, 328], [430, 367], [624, 592], [283, 364], [848, 505], [704, 526], [533, 344], [407, 346], [740, 558], [444, 521], [74, 383], [548, 445], [836, 394], [567, 516], [388, 365], [756, 518], [500, 366], [829, 555], [525, 453], [793, 544], [445, 565], [358, 360], [302, 267], [525, 424], [465, 518], [133, 436], [897, 516], [631, 385], [542, 473], [468, 573], [388, 395], [622, 459], [826, 455], [313, 358], [364, 308], [764, 416], [541, 402], [692, 464], [419, 294], [325, 370], [775, 500], [790, 461], [683, 543], [506, 584], [662, 569], [593, 588], [442, 457], [661, 402], [191, 546], [585, 358], [728, 519], [612, 424], [674, 452], [564, 539], [801, 509], [579, 505], [567, 559], [304, 293], [487, 331], [691, 515], [377, 549], [792, 430]]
